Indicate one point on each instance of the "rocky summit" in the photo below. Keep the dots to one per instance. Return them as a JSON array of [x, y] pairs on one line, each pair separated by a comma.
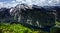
[[33, 15]]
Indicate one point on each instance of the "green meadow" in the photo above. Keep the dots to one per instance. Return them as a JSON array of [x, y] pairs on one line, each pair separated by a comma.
[[18, 28]]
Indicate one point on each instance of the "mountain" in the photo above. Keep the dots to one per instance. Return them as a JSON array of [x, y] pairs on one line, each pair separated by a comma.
[[51, 7], [25, 9], [30, 15], [4, 12]]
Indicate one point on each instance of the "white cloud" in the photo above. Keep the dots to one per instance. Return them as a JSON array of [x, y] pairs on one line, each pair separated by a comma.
[[1, 4], [30, 2], [18, 0], [13, 1], [40, 2], [11, 4]]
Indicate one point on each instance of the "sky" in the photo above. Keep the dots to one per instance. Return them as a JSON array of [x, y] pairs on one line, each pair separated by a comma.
[[13, 3]]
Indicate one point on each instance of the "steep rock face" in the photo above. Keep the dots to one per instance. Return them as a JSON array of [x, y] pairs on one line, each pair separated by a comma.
[[58, 14], [33, 15], [5, 15], [4, 12], [20, 7]]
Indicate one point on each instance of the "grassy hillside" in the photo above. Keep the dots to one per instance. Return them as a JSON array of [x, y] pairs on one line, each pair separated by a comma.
[[17, 28]]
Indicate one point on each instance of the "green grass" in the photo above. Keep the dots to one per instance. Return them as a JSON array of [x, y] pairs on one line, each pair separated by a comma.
[[17, 28]]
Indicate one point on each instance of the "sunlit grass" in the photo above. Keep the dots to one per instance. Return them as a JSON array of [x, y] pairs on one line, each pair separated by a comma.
[[17, 28]]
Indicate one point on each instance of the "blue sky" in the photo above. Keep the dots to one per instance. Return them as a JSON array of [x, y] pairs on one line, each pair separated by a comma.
[[12, 3]]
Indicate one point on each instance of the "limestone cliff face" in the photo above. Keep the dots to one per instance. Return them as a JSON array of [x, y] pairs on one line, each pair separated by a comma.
[[33, 15]]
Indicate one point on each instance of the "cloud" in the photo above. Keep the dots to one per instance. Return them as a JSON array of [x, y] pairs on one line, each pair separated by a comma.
[[13, 1], [10, 4], [40, 2], [1, 4], [31, 2], [54, 2]]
